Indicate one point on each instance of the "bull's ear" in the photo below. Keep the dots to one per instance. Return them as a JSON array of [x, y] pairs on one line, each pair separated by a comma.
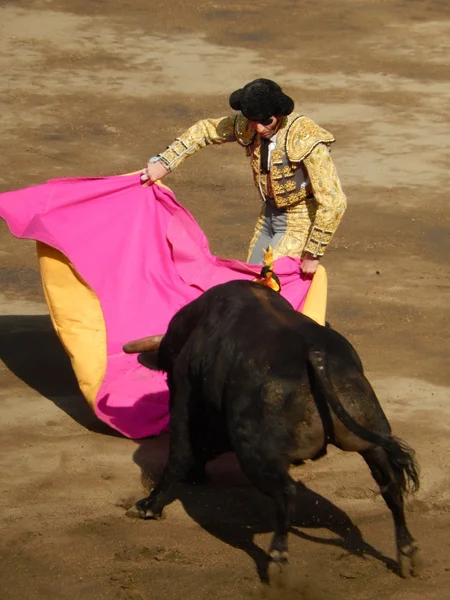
[[149, 359]]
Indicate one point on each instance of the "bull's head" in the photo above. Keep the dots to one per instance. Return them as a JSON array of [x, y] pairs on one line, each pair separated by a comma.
[[147, 348]]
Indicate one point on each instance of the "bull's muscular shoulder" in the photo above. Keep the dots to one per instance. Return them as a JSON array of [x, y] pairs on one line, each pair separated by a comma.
[[243, 131], [303, 136]]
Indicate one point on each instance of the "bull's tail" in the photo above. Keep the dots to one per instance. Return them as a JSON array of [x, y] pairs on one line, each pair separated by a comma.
[[401, 456]]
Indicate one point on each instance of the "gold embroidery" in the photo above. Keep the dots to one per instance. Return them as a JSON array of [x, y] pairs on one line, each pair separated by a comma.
[[243, 131], [330, 199], [280, 183], [304, 135], [298, 227], [207, 131]]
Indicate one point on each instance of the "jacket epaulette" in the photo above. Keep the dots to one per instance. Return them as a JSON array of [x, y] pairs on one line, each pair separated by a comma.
[[303, 136]]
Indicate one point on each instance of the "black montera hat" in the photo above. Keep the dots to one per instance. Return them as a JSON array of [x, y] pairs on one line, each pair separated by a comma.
[[261, 99]]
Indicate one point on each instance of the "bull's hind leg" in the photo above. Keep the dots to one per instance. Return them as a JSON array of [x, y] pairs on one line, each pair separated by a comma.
[[181, 458], [390, 481]]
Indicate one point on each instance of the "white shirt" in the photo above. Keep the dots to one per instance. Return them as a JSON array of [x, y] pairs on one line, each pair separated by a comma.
[[272, 144]]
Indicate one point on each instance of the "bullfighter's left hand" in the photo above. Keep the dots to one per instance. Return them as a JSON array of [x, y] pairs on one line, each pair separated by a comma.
[[155, 171], [309, 265]]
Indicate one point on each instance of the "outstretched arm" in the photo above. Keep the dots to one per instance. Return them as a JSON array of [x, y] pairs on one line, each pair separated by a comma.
[[203, 133]]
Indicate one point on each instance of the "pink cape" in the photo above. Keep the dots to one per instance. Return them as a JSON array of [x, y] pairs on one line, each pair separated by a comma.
[[145, 257]]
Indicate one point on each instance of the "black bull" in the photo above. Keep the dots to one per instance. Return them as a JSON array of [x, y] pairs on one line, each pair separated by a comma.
[[248, 373]]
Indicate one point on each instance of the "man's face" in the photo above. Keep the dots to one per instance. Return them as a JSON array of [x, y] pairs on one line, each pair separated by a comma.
[[265, 129]]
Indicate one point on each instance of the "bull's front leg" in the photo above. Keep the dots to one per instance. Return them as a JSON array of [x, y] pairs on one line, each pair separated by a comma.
[[270, 475], [284, 497], [181, 458]]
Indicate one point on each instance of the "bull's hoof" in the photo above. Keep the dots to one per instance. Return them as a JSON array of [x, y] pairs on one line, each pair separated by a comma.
[[278, 569], [142, 510], [279, 556], [410, 561]]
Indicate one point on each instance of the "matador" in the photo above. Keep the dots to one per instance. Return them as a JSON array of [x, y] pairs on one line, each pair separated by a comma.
[[289, 154]]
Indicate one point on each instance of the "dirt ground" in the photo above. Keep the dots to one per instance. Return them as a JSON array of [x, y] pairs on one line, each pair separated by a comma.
[[96, 87]]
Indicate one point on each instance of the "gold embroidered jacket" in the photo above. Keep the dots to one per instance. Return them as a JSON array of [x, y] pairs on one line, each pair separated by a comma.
[[301, 171]]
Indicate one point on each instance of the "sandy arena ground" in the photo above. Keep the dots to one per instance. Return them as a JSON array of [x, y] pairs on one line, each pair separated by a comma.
[[93, 88]]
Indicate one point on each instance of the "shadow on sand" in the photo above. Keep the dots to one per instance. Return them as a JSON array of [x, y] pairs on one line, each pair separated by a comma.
[[31, 350], [231, 509]]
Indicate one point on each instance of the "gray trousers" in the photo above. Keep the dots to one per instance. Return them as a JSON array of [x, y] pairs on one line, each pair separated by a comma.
[[273, 228]]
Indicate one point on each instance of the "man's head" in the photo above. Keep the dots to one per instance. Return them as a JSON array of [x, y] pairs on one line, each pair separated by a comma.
[[261, 100], [268, 128]]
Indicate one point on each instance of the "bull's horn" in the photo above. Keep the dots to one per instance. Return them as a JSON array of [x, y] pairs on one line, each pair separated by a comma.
[[143, 345]]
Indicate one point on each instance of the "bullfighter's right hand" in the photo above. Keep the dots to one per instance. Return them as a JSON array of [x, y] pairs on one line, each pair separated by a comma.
[[154, 171]]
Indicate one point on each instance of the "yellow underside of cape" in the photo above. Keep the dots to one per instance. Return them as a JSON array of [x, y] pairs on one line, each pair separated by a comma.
[[77, 317]]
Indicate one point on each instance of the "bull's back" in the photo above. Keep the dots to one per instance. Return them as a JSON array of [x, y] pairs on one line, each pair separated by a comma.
[[214, 315], [246, 328]]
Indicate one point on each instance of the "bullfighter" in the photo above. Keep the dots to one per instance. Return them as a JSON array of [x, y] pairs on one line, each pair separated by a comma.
[[302, 198]]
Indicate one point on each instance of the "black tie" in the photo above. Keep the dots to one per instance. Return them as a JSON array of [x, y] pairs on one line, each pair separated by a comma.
[[265, 155]]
